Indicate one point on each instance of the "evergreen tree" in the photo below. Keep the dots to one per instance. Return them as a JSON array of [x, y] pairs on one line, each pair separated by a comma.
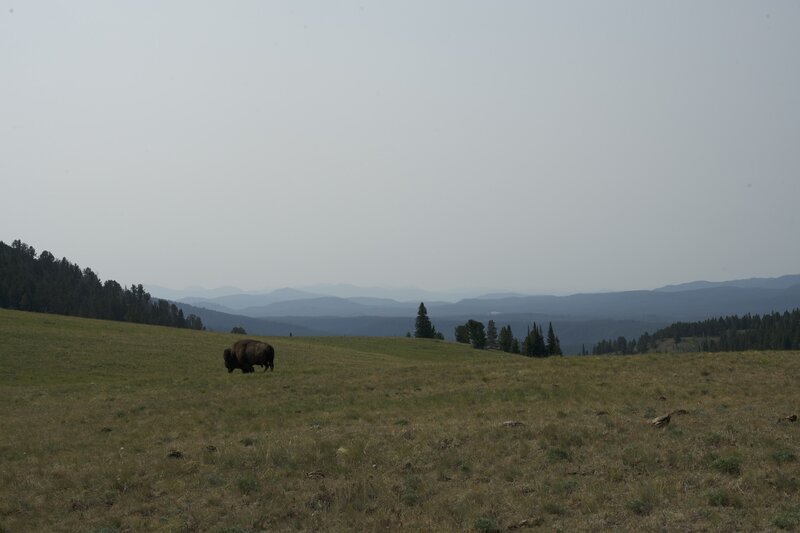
[[462, 334], [526, 347], [533, 344], [491, 335], [553, 347], [477, 334], [506, 338], [423, 327]]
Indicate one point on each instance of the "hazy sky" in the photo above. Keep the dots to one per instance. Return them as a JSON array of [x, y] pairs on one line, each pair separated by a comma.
[[545, 146]]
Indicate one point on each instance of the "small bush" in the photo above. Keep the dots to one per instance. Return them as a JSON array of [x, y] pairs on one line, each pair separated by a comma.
[[639, 507], [720, 498], [787, 519], [727, 465], [565, 487], [248, 441], [786, 483], [486, 524], [645, 503], [557, 454], [411, 495], [214, 480], [281, 459], [247, 485], [554, 508], [784, 456]]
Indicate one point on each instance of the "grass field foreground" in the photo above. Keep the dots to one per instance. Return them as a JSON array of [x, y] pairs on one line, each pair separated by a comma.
[[110, 426]]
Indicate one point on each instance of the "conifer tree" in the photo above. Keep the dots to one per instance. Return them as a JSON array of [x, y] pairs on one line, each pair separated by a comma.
[[506, 338], [491, 335], [462, 334], [423, 327], [477, 334], [553, 344]]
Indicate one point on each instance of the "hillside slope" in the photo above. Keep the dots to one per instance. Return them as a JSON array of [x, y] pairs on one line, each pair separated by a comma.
[[122, 427]]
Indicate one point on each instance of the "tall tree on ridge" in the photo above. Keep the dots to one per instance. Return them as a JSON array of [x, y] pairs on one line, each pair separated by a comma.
[[553, 344], [423, 327], [477, 334], [506, 338], [491, 335]]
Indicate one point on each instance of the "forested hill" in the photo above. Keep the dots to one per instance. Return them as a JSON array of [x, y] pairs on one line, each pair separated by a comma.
[[774, 331], [48, 285]]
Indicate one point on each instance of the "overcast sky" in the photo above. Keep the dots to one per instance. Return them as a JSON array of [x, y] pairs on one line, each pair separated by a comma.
[[535, 146]]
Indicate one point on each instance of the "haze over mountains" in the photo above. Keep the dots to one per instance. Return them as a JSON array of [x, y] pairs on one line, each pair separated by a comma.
[[579, 319]]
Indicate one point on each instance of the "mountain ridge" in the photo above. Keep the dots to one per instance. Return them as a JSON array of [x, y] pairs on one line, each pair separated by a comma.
[[579, 319]]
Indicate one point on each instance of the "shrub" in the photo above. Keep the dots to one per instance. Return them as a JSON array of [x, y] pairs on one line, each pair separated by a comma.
[[645, 503], [557, 454], [786, 483], [640, 507], [486, 524], [411, 495], [720, 498], [784, 456], [214, 480], [787, 519], [553, 508], [727, 465], [247, 485], [714, 439]]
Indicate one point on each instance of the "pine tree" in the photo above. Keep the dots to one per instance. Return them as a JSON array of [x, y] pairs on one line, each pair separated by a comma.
[[491, 335], [424, 328], [533, 344], [506, 338], [553, 344], [477, 334], [462, 334]]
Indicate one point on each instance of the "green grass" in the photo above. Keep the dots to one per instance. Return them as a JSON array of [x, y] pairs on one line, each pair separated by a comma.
[[117, 427]]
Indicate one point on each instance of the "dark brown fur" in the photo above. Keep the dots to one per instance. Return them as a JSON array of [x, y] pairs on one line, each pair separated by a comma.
[[246, 353]]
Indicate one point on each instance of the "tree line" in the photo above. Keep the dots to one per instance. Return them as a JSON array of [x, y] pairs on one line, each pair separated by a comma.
[[48, 285], [473, 332], [774, 331]]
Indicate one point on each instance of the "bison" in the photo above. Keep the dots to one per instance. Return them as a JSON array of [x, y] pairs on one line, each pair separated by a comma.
[[246, 353]]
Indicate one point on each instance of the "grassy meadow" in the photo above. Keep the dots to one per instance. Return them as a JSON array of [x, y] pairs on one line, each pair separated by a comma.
[[108, 427]]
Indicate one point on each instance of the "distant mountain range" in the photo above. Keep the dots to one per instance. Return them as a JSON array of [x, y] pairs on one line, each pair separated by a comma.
[[579, 319], [402, 294], [783, 282]]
